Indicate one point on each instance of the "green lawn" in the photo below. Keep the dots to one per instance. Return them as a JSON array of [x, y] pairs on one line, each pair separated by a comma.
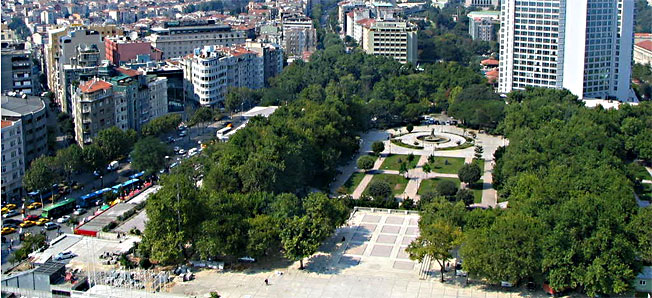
[[477, 191], [430, 184], [397, 182], [392, 162], [452, 167], [353, 181]]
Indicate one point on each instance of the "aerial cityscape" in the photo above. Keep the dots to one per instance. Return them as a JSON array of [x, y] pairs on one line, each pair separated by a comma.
[[326, 148]]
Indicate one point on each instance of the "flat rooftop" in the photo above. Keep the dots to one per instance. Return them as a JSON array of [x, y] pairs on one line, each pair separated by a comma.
[[98, 222], [17, 106]]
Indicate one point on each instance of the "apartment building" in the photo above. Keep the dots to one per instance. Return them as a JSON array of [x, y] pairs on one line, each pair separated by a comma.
[[298, 35], [486, 4], [643, 52], [158, 96], [177, 39], [18, 70], [272, 55], [82, 66], [30, 112], [482, 23], [13, 162], [120, 49], [94, 110], [584, 46], [212, 69], [396, 39]]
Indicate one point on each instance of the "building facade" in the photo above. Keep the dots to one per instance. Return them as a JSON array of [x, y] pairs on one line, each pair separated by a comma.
[[30, 111], [94, 110], [643, 52], [482, 23], [177, 39], [391, 39], [298, 35], [482, 3], [158, 96], [120, 49], [19, 73], [584, 46], [272, 55], [13, 161]]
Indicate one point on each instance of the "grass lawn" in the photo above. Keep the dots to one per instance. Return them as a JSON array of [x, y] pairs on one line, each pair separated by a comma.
[[392, 162], [430, 184], [353, 181], [477, 191], [453, 166], [397, 182]]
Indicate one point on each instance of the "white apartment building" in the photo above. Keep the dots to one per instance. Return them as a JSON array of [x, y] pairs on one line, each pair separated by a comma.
[[396, 39], [13, 162], [584, 46], [481, 3], [158, 96], [213, 69], [176, 40], [299, 36]]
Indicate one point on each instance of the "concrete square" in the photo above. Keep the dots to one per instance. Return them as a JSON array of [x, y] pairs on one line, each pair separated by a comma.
[[412, 231], [355, 249], [381, 250], [413, 222], [402, 254], [366, 228], [407, 239], [403, 265], [394, 220], [391, 229], [371, 218], [361, 237], [387, 239]]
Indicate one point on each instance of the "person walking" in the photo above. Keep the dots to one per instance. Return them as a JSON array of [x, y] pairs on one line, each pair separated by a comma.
[[266, 282]]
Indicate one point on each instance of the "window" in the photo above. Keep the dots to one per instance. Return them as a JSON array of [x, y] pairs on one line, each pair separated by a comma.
[[642, 282]]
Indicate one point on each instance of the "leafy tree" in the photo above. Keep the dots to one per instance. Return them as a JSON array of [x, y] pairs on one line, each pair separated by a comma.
[[366, 162], [161, 125], [200, 116], [640, 225], [262, 235], [403, 168], [469, 173], [446, 188], [114, 142], [408, 204], [29, 245], [426, 169], [431, 159], [478, 152], [149, 155], [286, 206], [70, 159], [380, 190], [377, 147], [41, 174], [465, 195], [437, 241], [301, 238], [409, 128]]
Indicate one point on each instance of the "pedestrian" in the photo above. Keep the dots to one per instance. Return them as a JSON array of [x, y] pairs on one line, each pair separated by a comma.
[[343, 239], [266, 282]]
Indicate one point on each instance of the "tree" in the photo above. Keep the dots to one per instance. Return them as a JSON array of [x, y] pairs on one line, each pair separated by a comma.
[[640, 226], [426, 169], [478, 152], [409, 128], [161, 125], [465, 195], [149, 155], [262, 235], [93, 157], [446, 188], [29, 245], [403, 168], [437, 240], [70, 159], [378, 147], [431, 159], [200, 116], [114, 142], [366, 162], [237, 97], [380, 190], [469, 173], [41, 175], [301, 238]]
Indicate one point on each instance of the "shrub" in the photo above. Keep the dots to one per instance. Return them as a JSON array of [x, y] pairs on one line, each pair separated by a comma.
[[380, 190], [469, 173], [446, 188], [465, 196], [144, 263], [365, 162]]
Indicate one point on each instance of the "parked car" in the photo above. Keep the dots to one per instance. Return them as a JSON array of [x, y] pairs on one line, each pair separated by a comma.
[[182, 151], [79, 211], [64, 255], [113, 166], [176, 149], [247, 260], [63, 219], [51, 226]]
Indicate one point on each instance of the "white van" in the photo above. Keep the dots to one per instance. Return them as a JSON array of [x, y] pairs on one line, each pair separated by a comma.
[[192, 152], [113, 166]]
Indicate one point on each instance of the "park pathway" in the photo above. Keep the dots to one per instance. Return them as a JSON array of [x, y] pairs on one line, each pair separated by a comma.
[[351, 167], [489, 195], [357, 193]]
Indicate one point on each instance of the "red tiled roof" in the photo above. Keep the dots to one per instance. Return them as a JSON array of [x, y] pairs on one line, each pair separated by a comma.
[[6, 123], [128, 72], [489, 61], [94, 85], [643, 34], [366, 22], [646, 44]]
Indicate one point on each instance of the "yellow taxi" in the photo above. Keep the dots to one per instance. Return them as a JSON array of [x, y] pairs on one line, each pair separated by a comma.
[[11, 206], [5, 210], [27, 223], [41, 221], [8, 230], [34, 205]]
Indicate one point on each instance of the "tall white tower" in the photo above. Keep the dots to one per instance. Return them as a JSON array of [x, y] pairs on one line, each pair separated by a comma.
[[584, 46]]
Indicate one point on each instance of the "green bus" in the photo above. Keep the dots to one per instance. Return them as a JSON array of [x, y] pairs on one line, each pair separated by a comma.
[[60, 208]]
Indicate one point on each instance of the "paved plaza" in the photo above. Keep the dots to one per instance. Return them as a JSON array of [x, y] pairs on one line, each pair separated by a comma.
[[370, 263]]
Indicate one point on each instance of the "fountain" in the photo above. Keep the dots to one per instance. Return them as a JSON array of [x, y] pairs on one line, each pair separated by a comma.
[[432, 138]]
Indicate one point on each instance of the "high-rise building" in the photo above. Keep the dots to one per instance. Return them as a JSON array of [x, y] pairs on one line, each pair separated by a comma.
[[299, 36], [272, 55], [94, 110], [176, 39], [482, 3], [584, 46], [13, 163], [481, 24], [396, 39], [18, 71], [30, 112]]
